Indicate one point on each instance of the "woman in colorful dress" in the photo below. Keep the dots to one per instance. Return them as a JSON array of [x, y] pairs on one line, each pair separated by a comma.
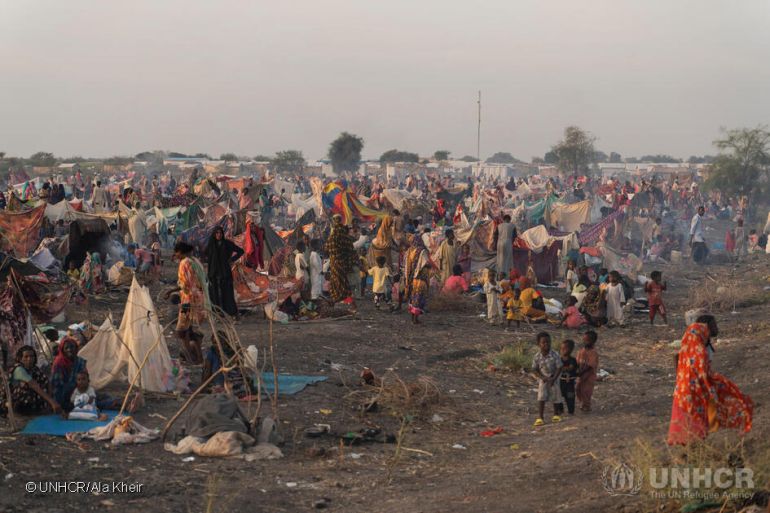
[[66, 367], [342, 259], [29, 386], [704, 401], [416, 275], [194, 301]]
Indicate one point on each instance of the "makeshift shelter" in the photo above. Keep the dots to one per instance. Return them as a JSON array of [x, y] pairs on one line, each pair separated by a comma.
[[119, 354], [338, 198], [570, 217], [86, 235], [20, 231], [541, 250]]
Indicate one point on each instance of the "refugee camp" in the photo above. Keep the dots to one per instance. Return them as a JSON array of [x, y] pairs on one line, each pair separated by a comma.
[[302, 302]]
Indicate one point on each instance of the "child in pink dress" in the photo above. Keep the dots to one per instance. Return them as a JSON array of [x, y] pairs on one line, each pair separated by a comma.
[[573, 319]]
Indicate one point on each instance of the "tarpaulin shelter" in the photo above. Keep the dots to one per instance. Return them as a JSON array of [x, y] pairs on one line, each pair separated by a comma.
[[339, 199], [542, 249], [20, 231], [119, 354], [569, 217]]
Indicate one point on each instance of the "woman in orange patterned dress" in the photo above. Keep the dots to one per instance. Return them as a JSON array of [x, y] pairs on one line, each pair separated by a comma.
[[704, 401], [193, 301]]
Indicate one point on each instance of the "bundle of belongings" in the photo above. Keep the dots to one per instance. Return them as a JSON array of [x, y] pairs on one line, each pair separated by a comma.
[[214, 426], [121, 430]]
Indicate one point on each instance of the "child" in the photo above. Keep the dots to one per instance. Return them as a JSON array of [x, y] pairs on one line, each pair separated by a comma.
[[615, 299], [654, 289], [588, 365], [395, 293], [492, 291], [73, 273], [569, 368], [573, 319], [214, 360], [546, 367], [380, 275], [316, 269], [572, 277], [363, 265], [514, 309], [603, 276], [753, 241], [83, 400]]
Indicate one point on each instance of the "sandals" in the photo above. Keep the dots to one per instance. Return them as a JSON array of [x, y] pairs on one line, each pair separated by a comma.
[[539, 422], [555, 419]]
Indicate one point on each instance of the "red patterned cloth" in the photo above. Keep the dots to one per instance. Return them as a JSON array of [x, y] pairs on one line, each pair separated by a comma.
[[704, 401]]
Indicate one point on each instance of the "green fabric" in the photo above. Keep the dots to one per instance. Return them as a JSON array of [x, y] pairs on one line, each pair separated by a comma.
[[20, 375]]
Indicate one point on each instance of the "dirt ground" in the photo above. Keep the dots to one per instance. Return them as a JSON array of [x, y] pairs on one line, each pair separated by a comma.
[[555, 468]]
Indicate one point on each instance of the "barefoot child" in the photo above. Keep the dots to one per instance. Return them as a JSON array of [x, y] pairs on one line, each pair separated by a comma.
[[514, 308], [588, 365], [380, 274], [569, 367], [546, 368], [654, 289], [615, 299], [492, 291]]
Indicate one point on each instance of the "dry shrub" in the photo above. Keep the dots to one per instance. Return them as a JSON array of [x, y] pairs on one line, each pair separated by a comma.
[[417, 399], [713, 453], [721, 295]]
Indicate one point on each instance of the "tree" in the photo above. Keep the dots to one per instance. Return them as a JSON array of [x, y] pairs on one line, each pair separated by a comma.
[[660, 159], [743, 164], [575, 153], [229, 157], [42, 159], [345, 152], [706, 159], [262, 158], [2, 155], [399, 156], [538, 160], [289, 161], [153, 157], [551, 157], [441, 155], [502, 157], [469, 158], [615, 158], [600, 156]]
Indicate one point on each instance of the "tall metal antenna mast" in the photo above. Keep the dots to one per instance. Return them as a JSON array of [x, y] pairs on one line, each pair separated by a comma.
[[478, 133]]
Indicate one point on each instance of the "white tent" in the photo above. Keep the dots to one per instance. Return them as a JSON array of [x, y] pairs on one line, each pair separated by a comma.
[[116, 354]]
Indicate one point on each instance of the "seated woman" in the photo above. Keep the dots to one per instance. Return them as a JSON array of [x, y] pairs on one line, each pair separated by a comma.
[[29, 385], [530, 296], [64, 372], [573, 319], [455, 284]]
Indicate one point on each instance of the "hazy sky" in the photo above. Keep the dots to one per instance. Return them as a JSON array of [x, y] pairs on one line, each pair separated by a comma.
[[100, 78]]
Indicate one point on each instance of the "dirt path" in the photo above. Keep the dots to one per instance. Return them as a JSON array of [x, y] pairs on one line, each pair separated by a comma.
[[556, 468]]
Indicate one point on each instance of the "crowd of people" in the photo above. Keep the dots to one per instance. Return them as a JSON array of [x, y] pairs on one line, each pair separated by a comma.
[[401, 259]]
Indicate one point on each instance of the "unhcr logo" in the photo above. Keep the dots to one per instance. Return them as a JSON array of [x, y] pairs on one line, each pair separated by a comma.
[[622, 479]]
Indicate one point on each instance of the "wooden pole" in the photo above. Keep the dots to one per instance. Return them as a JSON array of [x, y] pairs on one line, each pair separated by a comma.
[[8, 399]]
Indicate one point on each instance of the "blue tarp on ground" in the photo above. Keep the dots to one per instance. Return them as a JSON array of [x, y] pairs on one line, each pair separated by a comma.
[[288, 384], [55, 425]]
